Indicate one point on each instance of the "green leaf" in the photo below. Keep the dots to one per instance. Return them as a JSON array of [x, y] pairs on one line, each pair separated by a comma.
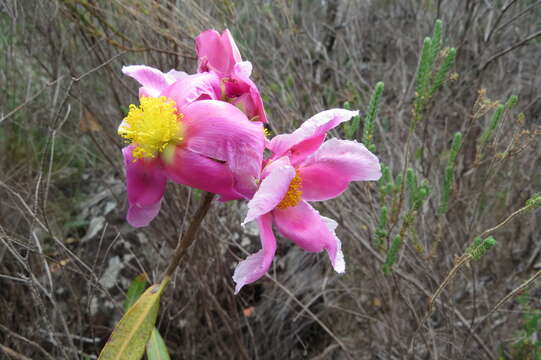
[[423, 69], [436, 40], [137, 287], [156, 348], [441, 75], [392, 254], [128, 340], [493, 124], [368, 130]]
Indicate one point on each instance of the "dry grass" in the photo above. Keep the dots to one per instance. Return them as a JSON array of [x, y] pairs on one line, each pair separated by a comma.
[[67, 255]]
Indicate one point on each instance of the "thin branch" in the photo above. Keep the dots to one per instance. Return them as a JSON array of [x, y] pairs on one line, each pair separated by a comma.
[[500, 16], [511, 48], [516, 17], [509, 218], [189, 236], [32, 98], [517, 291], [12, 353], [416, 283]]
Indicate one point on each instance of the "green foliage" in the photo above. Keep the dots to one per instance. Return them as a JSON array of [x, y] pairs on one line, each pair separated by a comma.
[[441, 75], [455, 147], [493, 124], [136, 289], [351, 127], [480, 247], [132, 332], [385, 175], [155, 347], [432, 71], [29, 145], [355, 123], [449, 175], [392, 254], [420, 195], [412, 185], [436, 41], [368, 130], [417, 192], [424, 68], [511, 102], [528, 345], [197, 194], [398, 183], [385, 183], [534, 201]]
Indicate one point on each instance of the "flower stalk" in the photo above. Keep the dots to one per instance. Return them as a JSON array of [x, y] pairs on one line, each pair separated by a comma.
[[189, 237]]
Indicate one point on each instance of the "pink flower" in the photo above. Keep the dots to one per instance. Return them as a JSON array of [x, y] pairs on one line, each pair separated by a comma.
[[155, 83], [219, 54], [304, 168], [183, 133]]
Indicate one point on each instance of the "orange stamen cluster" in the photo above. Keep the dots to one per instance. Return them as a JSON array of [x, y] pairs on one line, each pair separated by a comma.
[[294, 194]]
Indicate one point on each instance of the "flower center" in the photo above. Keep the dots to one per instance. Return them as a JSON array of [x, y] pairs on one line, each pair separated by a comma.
[[293, 196], [152, 126]]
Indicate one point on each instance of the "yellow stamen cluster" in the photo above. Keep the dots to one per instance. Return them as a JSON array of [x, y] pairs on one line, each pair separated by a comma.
[[293, 196], [152, 126]]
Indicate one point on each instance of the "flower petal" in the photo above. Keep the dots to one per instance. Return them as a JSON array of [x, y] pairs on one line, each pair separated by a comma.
[[310, 135], [174, 75], [256, 265], [229, 44], [145, 182], [152, 80], [220, 131], [335, 252], [139, 216], [217, 52], [342, 161], [240, 85], [203, 86], [272, 190], [303, 225], [198, 171]]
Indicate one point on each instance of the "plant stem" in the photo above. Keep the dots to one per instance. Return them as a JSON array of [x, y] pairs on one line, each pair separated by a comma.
[[519, 290], [518, 212], [463, 260], [189, 236]]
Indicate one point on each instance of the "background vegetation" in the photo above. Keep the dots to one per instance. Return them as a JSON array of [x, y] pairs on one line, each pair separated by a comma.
[[67, 256]]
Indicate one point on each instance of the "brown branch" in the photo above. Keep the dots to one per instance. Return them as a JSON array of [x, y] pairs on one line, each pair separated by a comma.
[[29, 100], [465, 259], [188, 237], [525, 11], [10, 332], [12, 353], [511, 48], [376, 255], [519, 290], [499, 18]]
